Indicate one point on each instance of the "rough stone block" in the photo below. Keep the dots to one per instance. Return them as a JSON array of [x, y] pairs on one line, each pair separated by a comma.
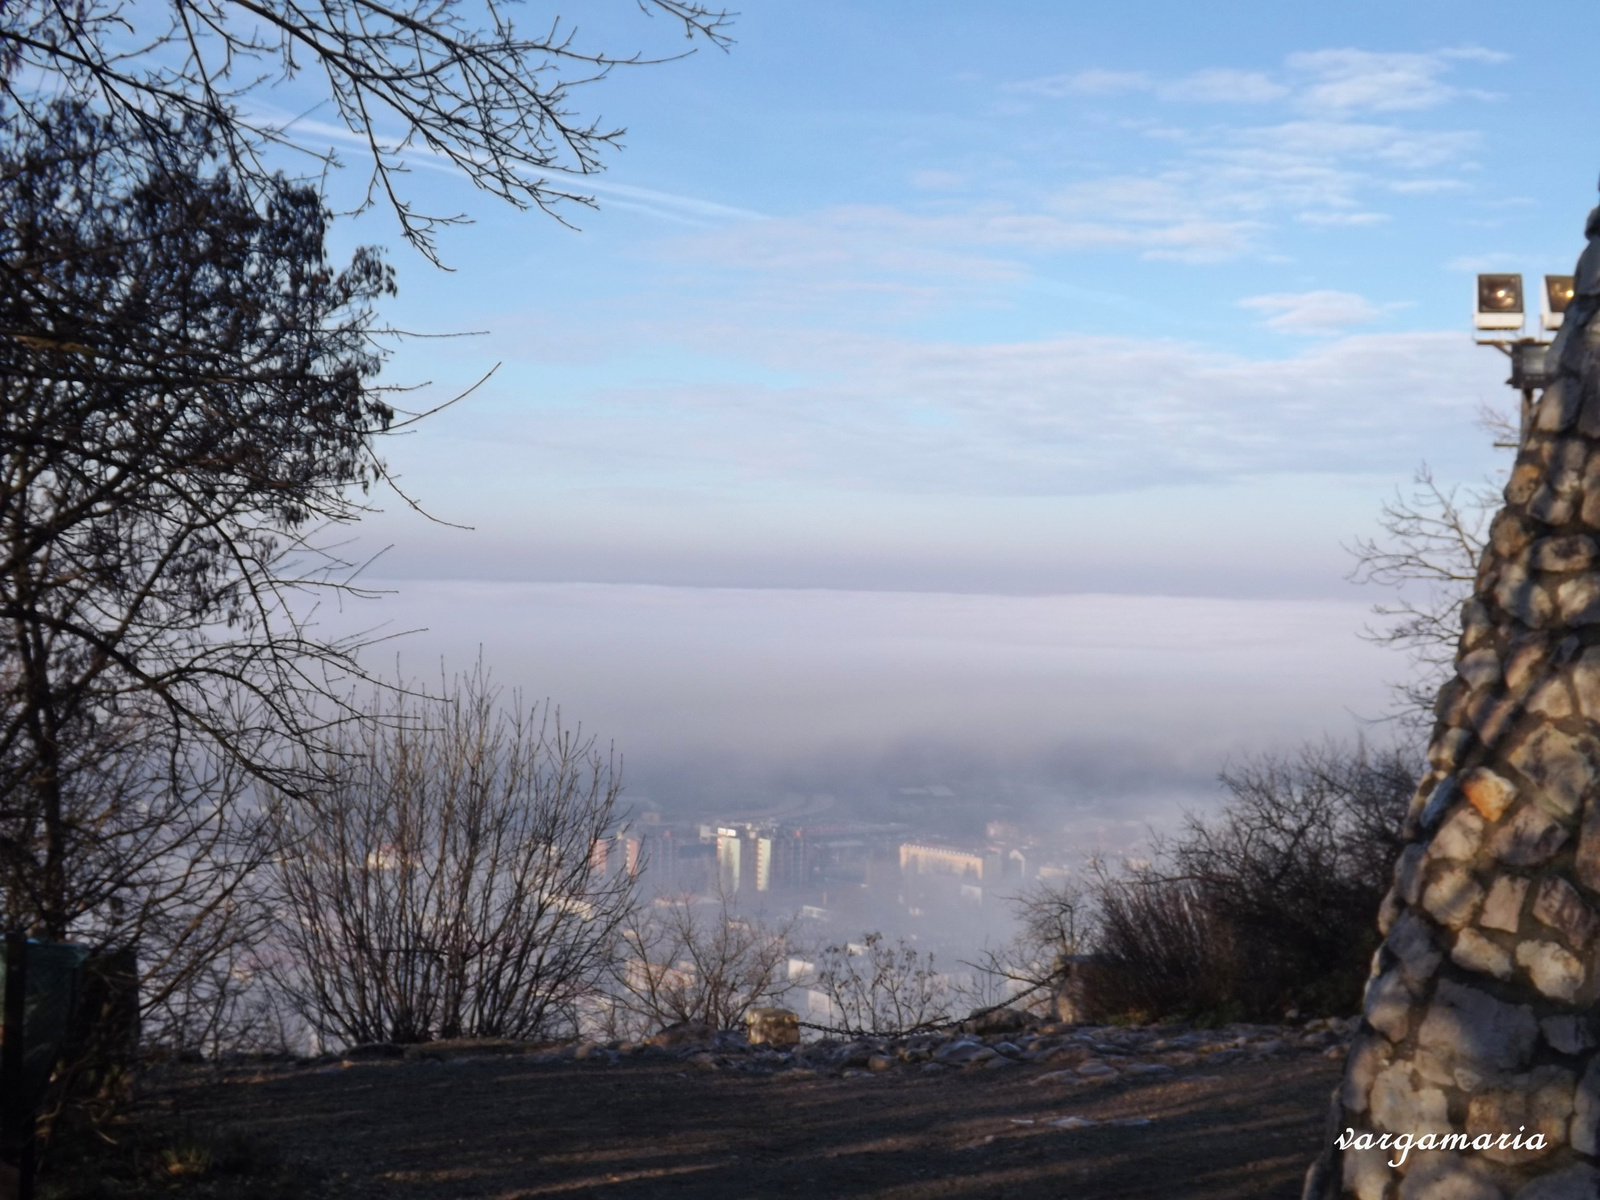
[[1465, 1025], [1496, 1112], [1475, 952], [1492, 714], [1524, 482], [1550, 700], [1577, 1182], [1401, 1104], [1388, 910], [1448, 747], [1554, 970], [773, 1027], [1585, 1129], [1572, 553], [1503, 909], [1368, 1056], [1509, 534], [1523, 599], [1444, 1176], [1524, 661], [1552, 506], [1430, 1067], [1557, 408], [1568, 1033], [1578, 600], [1388, 1006], [1563, 767], [1453, 897], [1487, 792], [1528, 838], [1558, 905], [1476, 625], [1550, 1091], [1586, 683], [1480, 669], [1444, 794], [1586, 865], [1408, 876], [1366, 1173], [1540, 1102], [1411, 940], [1449, 704]]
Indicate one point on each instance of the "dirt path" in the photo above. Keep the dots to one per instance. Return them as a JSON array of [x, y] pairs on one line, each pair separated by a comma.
[[506, 1128]]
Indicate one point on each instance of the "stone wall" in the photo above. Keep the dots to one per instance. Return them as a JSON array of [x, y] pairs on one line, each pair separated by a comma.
[[1480, 1016]]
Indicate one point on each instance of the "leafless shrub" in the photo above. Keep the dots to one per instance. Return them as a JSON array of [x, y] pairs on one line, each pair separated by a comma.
[[684, 961], [443, 883], [1270, 906], [1056, 926], [875, 988], [1161, 950]]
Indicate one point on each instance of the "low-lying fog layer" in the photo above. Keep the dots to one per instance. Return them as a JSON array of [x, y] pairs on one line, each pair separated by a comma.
[[1114, 706], [1054, 727]]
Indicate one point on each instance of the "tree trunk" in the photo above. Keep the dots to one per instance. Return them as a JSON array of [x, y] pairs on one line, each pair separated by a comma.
[[1476, 1071]]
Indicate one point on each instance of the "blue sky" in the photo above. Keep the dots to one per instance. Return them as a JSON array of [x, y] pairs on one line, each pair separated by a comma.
[[1019, 298], [1008, 300]]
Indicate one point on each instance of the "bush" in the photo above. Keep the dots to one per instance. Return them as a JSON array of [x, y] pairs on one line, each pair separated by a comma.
[[874, 988], [1269, 907], [444, 882]]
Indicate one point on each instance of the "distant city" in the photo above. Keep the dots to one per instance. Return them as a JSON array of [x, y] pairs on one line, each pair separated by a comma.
[[942, 877]]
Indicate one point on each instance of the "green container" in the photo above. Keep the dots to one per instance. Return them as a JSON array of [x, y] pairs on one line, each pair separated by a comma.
[[52, 972]]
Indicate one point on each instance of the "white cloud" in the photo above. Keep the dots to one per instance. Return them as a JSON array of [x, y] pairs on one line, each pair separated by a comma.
[[1321, 312], [1068, 415], [916, 258], [1426, 187], [1331, 82], [1224, 86], [1350, 81], [1085, 83], [1328, 220], [1474, 263]]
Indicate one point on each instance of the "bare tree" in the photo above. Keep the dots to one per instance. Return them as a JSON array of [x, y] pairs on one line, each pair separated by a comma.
[[443, 881], [1432, 543], [184, 394], [1428, 554], [875, 988], [684, 961], [454, 81]]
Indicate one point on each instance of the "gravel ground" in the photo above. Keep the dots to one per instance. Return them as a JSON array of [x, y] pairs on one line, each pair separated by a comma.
[[1058, 1112]]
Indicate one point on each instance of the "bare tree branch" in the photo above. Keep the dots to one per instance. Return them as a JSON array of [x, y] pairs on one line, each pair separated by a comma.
[[452, 80]]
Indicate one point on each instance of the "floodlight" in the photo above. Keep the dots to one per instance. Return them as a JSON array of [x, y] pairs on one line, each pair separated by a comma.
[[1499, 302], [1556, 296]]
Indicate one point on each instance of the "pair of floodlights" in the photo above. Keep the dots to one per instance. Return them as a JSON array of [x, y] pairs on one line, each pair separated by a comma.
[[1500, 314], [1500, 304]]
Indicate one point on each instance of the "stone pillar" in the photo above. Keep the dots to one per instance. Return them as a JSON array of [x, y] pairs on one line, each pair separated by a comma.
[[1480, 1025]]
